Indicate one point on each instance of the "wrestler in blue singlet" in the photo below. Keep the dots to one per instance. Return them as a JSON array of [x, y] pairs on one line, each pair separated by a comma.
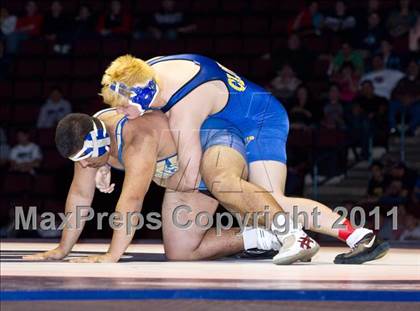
[[260, 118]]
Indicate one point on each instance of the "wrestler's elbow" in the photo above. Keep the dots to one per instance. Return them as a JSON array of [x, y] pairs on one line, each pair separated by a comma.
[[130, 204], [190, 180]]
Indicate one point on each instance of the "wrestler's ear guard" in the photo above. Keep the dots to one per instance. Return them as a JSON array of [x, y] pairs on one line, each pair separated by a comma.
[[140, 96], [96, 143]]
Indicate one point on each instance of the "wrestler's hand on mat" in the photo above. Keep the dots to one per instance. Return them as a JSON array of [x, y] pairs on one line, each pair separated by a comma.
[[54, 254], [103, 179], [105, 258]]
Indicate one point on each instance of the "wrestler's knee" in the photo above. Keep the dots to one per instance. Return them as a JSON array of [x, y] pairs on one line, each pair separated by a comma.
[[181, 253], [175, 255], [222, 183]]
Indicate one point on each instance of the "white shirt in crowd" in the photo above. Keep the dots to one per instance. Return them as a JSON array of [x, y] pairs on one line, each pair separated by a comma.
[[25, 153], [8, 25], [384, 81], [52, 112]]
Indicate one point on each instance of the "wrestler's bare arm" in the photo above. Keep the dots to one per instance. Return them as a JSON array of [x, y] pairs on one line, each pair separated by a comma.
[[140, 159], [80, 195], [185, 122], [189, 154]]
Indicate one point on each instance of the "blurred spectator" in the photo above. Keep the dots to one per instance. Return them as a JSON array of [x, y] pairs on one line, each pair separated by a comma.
[[5, 62], [391, 60], [340, 22], [333, 109], [394, 194], [413, 73], [308, 21], [375, 108], [115, 22], [7, 22], [299, 115], [334, 158], [84, 23], [348, 81], [372, 34], [369, 101], [412, 228], [357, 124], [299, 58], [285, 83], [169, 22], [400, 21], [26, 156], [384, 80], [27, 26], [407, 177], [347, 54], [377, 183], [4, 148], [55, 108], [8, 26], [374, 6], [57, 28], [389, 161], [414, 37], [30, 23], [406, 99]]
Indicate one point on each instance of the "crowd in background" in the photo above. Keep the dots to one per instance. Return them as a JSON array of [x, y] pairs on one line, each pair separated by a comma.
[[371, 65], [63, 28]]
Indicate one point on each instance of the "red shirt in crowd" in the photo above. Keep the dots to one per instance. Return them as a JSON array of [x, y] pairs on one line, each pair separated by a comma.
[[30, 24]]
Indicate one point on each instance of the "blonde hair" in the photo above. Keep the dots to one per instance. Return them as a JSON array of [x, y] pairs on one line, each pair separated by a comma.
[[125, 69]]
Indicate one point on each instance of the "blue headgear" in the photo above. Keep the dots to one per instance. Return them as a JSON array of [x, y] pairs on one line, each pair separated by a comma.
[[140, 96], [96, 143]]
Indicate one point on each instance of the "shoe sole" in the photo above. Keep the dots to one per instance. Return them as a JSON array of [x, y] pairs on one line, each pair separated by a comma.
[[379, 252], [257, 256], [304, 256]]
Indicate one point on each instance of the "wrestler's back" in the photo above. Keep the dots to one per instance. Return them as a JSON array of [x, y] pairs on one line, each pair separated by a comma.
[[177, 73], [153, 122], [202, 87]]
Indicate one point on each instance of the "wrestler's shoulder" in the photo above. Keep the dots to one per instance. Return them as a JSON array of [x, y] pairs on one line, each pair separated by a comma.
[[150, 124]]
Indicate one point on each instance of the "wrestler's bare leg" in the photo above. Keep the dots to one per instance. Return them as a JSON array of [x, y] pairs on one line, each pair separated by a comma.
[[271, 175], [195, 243], [224, 171]]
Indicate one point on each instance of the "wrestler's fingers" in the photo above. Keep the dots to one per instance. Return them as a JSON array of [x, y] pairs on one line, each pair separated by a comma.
[[111, 188], [107, 189], [78, 260], [50, 255], [39, 256]]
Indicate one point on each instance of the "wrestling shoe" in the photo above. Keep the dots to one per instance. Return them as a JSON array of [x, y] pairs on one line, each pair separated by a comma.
[[367, 249], [295, 246], [256, 253]]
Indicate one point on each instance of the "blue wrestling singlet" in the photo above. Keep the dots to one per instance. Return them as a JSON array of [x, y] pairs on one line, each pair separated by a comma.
[[260, 117]]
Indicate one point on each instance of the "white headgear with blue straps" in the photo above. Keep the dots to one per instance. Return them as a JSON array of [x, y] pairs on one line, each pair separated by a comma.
[[96, 143]]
